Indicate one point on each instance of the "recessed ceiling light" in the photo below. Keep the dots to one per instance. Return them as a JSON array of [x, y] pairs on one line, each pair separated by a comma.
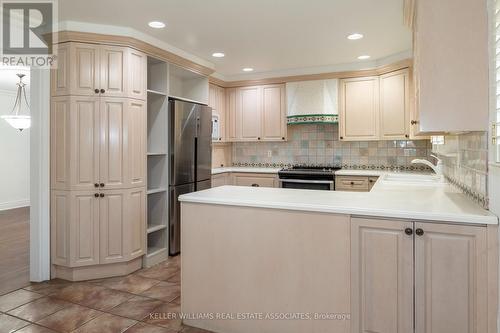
[[156, 24], [363, 57], [247, 69], [218, 55], [355, 36]]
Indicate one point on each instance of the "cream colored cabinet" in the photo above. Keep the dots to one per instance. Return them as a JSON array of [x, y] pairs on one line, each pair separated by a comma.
[[254, 180], [221, 179], [451, 278], [217, 101], [395, 105], [256, 113], [359, 109], [97, 143], [99, 70], [381, 276], [451, 65], [97, 227], [354, 183], [273, 113], [432, 274]]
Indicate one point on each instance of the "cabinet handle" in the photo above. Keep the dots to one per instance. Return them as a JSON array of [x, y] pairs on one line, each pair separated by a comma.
[[96, 185], [370, 180], [96, 91], [419, 232], [407, 136], [101, 184], [255, 185], [409, 231], [414, 122], [96, 195], [352, 183], [258, 138], [283, 138], [341, 138], [101, 195], [103, 91]]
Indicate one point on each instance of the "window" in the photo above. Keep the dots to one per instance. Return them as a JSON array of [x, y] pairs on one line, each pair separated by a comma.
[[496, 122]]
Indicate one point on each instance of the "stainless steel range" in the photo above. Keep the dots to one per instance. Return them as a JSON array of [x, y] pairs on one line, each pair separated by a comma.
[[311, 178]]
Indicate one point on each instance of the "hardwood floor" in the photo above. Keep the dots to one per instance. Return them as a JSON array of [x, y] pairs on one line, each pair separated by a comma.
[[14, 249]]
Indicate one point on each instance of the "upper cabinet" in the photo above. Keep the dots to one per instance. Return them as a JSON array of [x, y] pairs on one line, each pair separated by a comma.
[[375, 107], [256, 113], [217, 101], [99, 70], [451, 65], [359, 109]]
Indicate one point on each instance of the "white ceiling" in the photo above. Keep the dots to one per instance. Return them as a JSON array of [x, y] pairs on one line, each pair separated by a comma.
[[268, 35]]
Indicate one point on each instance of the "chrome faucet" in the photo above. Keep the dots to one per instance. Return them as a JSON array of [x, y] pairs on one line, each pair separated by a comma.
[[438, 168]]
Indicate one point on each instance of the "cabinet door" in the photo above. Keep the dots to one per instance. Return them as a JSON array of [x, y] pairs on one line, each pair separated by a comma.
[[450, 279], [381, 276], [113, 166], [249, 113], [84, 72], [232, 129], [212, 96], [359, 109], [113, 217], [394, 106], [135, 241], [113, 73], [137, 74], [83, 134], [83, 228], [221, 111], [60, 77], [254, 180], [137, 145], [273, 113]]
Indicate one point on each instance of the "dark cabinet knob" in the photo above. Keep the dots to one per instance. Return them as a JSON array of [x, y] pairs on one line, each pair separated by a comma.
[[419, 232], [220, 139], [101, 184], [96, 185], [101, 195], [341, 138], [407, 136], [409, 231], [96, 91], [283, 138], [103, 91], [370, 180], [255, 185], [258, 138], [352, 183], [413, 122], [96, 195]]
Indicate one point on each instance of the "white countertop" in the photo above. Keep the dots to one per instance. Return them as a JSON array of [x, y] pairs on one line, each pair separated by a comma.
[[400, 201], [217, 171]]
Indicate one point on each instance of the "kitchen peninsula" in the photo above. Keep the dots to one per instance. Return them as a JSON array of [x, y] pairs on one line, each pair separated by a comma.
[[354, 257]]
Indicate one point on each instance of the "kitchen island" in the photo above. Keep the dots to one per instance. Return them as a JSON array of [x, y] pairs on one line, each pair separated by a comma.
[[285, 260]]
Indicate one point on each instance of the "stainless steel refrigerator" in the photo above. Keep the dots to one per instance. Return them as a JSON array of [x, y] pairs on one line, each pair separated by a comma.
[[190, 153]]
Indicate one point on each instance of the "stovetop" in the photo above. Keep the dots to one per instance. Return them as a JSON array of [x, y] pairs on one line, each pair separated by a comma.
[[308, 172]]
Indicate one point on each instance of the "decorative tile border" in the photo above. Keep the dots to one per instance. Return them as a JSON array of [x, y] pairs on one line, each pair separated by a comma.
[[478, 198], [344, 166], [313, 119]]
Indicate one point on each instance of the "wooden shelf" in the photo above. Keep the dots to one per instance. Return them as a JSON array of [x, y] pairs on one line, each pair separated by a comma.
[[156, 190], [154, 228], [157, 154]]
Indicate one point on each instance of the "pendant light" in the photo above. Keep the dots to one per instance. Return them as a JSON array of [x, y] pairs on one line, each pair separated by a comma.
[[15, 118]]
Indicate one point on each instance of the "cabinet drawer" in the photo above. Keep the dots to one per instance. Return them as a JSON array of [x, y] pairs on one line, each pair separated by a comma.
[[252, 180], [352, 183]]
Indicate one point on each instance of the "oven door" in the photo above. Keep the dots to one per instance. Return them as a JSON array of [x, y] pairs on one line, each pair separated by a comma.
[[325, 185]]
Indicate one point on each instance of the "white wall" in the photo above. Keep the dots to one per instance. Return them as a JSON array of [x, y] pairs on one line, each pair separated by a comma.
[[14, 154]]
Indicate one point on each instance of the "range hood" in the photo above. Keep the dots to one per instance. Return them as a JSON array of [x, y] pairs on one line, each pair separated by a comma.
[[312, 102]]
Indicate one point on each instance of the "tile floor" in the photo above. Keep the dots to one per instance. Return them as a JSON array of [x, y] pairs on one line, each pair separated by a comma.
[[137, 303]]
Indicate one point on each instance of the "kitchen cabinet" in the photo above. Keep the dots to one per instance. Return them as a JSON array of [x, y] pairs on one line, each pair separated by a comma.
[[221, 179], [451, 66], [394, 105], [445, 265], [256, 113], [97, 143], [354, 183], [97, 227], [254, 180], [359, 109], [217, 101], [99, 70]]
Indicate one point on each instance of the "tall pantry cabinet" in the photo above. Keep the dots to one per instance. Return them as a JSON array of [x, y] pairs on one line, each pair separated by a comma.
[[98, 161]]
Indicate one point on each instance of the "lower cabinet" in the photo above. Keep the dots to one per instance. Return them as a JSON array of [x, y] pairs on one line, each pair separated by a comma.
[[354, 183], [220, 179], [418, 277], [98, 227], [245, 179]]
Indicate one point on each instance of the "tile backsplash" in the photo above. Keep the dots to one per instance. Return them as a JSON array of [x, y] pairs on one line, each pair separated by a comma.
[[318, 144], [465, 163]]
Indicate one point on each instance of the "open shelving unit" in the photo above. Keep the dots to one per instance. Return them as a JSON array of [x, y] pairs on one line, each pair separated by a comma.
[[187, 85], [157, 162]]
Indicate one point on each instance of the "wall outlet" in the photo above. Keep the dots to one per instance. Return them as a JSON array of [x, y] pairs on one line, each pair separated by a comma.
[[269, 153]]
